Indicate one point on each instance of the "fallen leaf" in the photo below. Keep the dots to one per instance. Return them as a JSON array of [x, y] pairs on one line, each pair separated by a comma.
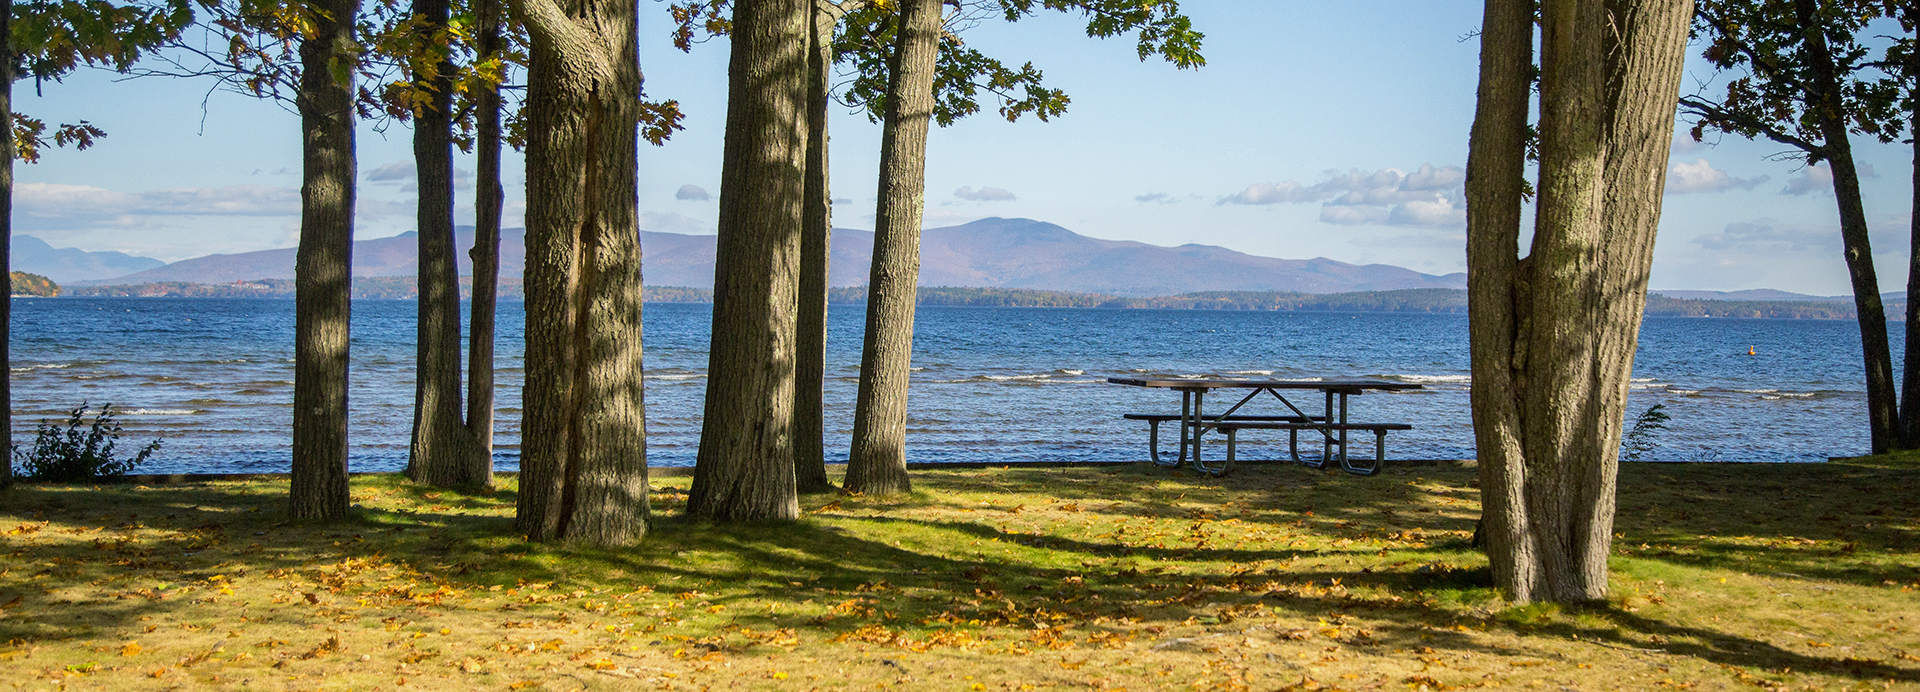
[[131, 649]]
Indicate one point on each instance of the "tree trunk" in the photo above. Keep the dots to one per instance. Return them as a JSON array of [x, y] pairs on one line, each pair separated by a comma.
[[6, 234], [1823, 99], [745, 467], [439, 454], [878, 462], [323, 266], [1910, 376], [816, 243], [1554, 333], [485, 255], [583, 459]]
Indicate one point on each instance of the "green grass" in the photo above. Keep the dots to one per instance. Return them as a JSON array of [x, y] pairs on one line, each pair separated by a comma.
[[1279, 577]]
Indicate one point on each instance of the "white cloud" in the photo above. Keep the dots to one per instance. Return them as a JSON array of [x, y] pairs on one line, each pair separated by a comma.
[[984, 194], [1812, 179], [1772, 235], [672, 222], [1427, 197], [393, 172], [1160, 197], [692, 192], [53, 205], [1701, 176]]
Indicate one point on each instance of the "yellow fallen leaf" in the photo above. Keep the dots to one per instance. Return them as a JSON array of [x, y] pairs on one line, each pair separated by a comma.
[[446, 630], [131, 649], [777, 675]]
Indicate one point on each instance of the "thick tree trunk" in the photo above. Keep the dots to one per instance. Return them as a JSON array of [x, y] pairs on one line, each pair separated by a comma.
[[439, 454], [485, 255], [1554, 334], [816, 242], [878, 461], [584, 465], [1823, 99], [745, 466], [323, 266], [6, 234]]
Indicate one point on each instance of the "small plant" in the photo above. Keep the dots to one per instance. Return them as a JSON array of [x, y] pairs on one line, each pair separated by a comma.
[[1639, 440], [81, 451]]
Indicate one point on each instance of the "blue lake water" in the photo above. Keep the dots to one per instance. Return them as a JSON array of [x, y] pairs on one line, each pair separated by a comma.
[[214, 378]]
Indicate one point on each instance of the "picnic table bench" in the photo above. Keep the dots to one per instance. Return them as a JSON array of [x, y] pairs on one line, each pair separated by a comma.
[[1332, 425]]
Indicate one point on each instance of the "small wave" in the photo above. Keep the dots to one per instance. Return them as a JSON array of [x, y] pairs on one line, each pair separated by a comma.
[[1437, 379], [1643, 379], [1758, 391], [1683, 392], [1006, 378], [41, 366], [1262, 373], [1072, 372], [693, 376], [160, 411]]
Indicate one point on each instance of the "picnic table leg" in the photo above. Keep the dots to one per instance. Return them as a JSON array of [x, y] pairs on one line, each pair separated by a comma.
[[1343, 428], [1326, 436], [1186, 412]]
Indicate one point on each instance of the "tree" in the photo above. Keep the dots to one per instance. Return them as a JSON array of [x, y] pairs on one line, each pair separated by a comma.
[[914, 73], [323, 264], [877, 464], [1802, 56], [1553, 333], [583, 460], [816, 253], [745, 466]]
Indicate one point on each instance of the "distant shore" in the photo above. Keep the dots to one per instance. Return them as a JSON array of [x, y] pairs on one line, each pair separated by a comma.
[[1420, 300]]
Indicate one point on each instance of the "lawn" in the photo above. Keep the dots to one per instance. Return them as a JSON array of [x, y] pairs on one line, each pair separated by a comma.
[[1100, 578]]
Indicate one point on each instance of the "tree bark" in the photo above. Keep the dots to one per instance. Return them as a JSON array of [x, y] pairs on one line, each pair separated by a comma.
[[6, 234], [485, 254], [1823, 101], [878, 462], [439, 454], [584, 467], [745, 467], [1910, 375], [816, 243], [323, 266], [1554, 333]]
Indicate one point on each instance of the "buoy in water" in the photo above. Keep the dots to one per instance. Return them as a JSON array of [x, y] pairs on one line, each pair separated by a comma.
[[1750, 351]]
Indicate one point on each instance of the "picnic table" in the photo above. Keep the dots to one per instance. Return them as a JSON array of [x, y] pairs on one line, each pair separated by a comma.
[[1331, 425]]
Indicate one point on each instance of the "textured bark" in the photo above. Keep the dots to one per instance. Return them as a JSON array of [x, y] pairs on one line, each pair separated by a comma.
[[439, 454], [322, 266], [744, 470], [877, 464], [485, 254], [816, 236], [584, 468], [6, 233], [1554, 334]]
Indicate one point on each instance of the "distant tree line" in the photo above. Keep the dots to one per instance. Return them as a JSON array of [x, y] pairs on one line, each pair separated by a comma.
[[25, 284], [1427, 300]]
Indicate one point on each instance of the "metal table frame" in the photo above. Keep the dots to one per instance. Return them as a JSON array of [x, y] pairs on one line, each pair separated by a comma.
[[1194, 423]]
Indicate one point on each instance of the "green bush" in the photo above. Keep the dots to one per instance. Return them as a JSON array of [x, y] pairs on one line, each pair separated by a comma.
[[82, 451]]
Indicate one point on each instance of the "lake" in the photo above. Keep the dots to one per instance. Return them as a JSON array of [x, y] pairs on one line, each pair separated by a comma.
[[213, 378]]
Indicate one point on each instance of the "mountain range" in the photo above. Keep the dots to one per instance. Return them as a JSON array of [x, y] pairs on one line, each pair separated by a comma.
[[989, 253], [68, 265]]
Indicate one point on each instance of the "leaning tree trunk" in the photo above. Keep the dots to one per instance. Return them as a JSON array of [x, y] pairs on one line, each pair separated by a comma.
[[6, 233], [1823, 99], [439, 454], [583, 458], [878, 462], [1554, 333], [485, 255], [323, 266], [1910, 376], [744, 470], [816, 253]]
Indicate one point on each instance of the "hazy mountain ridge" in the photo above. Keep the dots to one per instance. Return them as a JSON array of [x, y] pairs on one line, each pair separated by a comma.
[[67, 265], [989, 253]]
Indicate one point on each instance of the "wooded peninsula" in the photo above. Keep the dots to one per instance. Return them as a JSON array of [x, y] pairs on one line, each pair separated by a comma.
[[1428, 300]]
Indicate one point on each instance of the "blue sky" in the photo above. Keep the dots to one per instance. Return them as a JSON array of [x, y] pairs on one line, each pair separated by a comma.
[[1316, 130]]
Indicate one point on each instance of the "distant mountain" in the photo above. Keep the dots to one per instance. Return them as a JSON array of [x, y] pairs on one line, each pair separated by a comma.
[[66, 265], [989, 253], [1752, 294]]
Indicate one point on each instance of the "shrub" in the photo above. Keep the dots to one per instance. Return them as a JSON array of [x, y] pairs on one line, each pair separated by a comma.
[[81, 451]]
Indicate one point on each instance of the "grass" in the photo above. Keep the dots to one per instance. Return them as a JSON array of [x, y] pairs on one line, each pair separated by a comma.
[[1099, 578]]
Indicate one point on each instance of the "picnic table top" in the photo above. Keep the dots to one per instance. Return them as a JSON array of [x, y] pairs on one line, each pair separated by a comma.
[[1348, 386]]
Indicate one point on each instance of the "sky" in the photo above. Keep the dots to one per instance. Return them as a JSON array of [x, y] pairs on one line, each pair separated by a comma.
[[1316, 129]]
